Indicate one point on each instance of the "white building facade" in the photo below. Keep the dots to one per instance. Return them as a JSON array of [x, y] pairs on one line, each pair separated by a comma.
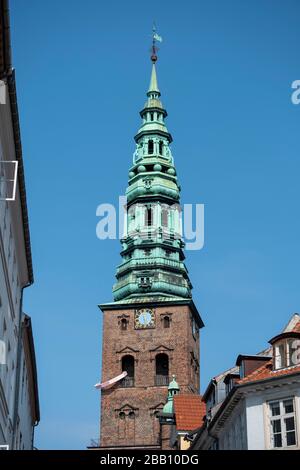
[[267, 417], [256, 404], [15, 258]]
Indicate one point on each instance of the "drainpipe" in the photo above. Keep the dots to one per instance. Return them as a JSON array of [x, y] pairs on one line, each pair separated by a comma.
[[32, 437]]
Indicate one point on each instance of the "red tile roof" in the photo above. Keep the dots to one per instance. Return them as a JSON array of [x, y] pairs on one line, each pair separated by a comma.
[[266, 372], [190, 411]]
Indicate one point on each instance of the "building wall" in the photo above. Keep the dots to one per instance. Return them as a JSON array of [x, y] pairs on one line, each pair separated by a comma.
[[25, 424], [10, 288], [258, 423], [13, 278], [145, 399], [248, 426], [234, 433]]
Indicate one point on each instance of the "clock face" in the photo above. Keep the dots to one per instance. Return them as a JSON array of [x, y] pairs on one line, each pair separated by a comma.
[[144, 318]]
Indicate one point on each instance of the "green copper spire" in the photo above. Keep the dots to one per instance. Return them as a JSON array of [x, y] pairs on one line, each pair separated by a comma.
[[152, 248]]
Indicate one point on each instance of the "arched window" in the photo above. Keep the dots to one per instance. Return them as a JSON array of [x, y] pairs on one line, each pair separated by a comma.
[[166, 322], [150, 147], [128, 366], [148, 217], [161, 147], [123, 324], [162, 369]]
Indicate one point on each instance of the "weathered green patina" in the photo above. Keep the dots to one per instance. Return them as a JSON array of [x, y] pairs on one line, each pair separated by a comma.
[[152, 249], [173, 389]]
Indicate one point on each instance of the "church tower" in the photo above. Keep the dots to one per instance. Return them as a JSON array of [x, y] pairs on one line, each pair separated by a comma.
[[151, 329]]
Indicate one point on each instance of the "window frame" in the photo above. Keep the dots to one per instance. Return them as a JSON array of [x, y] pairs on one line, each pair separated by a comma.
[[282, 416]]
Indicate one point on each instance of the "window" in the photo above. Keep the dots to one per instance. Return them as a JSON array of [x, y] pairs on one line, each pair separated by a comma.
[[147, 252], [166, 322], [286, 353], [128, 366], [282, 423], [161, 147], [123, 324], [148, 217], [280, 356], [150, 147], [151, 116], [162, 369]]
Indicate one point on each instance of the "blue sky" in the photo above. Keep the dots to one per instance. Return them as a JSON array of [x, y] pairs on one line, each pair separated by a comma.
[[225, 72]]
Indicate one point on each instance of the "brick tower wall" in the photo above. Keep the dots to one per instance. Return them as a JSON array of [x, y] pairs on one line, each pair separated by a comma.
[[128, 414]]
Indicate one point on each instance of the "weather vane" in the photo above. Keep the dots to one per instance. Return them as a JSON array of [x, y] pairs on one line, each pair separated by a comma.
[[154, 48]]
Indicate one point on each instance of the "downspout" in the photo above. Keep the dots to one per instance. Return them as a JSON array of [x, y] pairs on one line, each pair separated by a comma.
[[32, 437]]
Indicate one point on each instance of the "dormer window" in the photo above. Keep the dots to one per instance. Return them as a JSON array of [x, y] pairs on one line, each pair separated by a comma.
[[210, 396], [286, 350], [286, 353], [230, 381], [249, 363]]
